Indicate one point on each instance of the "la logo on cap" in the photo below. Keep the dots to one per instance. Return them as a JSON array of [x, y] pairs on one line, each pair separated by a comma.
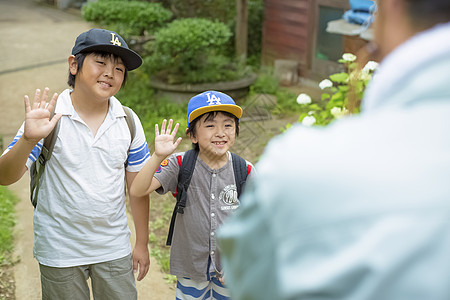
[[115, 40], [213, 100]]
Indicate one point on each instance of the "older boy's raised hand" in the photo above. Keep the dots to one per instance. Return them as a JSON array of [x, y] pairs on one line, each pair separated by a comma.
[[37, 116], [164, 141]]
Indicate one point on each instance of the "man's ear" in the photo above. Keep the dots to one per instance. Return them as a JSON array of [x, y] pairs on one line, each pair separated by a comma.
[[73, 65]]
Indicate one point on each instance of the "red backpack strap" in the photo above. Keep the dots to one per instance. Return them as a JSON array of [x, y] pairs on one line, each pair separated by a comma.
[[249, 169], [179, 160]]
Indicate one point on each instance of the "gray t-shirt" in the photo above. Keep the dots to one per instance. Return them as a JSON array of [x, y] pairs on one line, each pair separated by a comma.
[[211, 198]]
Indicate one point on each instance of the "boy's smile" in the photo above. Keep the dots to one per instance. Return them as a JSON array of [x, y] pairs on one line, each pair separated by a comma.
[[215, 136]]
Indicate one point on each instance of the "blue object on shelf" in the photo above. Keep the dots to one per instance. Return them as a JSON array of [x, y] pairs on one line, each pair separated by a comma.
[[361, 12]]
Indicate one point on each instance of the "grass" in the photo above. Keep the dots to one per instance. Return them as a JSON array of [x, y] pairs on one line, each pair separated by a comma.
[[7, 222]]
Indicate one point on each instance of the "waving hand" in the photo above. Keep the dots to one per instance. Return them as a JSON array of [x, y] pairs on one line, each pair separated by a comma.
[[37, 116], [164, 141]]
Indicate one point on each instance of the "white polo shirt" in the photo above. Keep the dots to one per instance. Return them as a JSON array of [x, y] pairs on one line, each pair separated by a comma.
[[80, 217]]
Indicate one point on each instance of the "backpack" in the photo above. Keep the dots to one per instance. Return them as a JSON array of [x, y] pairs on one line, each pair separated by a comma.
[[37, 168], [187, 164]]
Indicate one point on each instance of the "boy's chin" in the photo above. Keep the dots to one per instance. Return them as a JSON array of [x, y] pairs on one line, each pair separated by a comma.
[[214, 152]]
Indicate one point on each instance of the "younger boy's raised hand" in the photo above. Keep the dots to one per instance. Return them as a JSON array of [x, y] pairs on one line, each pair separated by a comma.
[[37, 116], [164, 141]]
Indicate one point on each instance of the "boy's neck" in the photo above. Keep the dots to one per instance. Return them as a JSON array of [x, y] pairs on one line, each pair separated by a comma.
[[214, 162], [85, 105], [92, 112]]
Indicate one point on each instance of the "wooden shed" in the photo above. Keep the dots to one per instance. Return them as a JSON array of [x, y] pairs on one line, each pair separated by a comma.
[[296, 30]]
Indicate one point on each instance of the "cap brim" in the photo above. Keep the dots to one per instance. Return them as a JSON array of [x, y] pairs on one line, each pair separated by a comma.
[[232, 109], [131, 59]]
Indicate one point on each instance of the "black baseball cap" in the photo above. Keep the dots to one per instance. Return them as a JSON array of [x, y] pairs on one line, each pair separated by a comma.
[[97, 39]]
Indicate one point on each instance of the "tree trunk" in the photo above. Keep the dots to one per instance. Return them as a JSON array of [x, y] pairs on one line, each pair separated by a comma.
[[241, 30]]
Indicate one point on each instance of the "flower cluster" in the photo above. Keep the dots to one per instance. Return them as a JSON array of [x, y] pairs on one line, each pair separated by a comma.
[[342, 93]]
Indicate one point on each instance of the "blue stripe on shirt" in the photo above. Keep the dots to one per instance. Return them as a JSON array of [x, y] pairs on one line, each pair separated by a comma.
[[34, 153], [137, 156], [16, 138], [140, 148]]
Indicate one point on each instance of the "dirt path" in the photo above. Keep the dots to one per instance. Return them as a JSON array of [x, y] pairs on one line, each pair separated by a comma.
[[35, 43]]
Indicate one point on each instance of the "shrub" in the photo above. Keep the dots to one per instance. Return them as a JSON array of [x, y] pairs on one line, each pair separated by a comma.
[[127, 17], [266, 83], [225, 11], [192, 51], [141, 98]]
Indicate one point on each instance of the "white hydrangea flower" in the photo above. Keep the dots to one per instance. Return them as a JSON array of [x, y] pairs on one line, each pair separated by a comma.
[[308, 121], [326, 83], [338, 112], [303, 99], [349, 57], [370, 66], [365, 76], [335, 110]]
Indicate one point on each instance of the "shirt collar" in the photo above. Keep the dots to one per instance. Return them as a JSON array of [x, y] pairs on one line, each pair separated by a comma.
[[64, 106]]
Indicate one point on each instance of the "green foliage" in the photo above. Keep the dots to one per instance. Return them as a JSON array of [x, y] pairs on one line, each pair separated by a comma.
[[225, 11], [265, 83], [7, 222], [255, 27], [151, 110], [222, 10], [163, 258], [161, 207], [127, 17], [342, 93], [191, 51]]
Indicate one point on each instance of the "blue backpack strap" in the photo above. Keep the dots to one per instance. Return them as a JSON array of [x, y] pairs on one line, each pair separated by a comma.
[[184, 179]]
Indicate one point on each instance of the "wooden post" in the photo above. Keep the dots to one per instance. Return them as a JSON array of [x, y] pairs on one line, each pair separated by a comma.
[[241, 30]]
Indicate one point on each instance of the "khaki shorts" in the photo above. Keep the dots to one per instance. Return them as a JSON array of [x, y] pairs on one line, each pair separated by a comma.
[[110, 280]]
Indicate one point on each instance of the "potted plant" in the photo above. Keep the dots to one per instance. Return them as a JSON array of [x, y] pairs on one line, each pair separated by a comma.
[[188, 56]]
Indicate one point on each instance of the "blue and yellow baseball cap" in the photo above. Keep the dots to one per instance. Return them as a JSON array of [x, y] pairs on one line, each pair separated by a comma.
[[211, 101]]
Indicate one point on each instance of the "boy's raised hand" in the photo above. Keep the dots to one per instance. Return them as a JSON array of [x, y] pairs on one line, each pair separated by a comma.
[[37, 115], [164, 141]]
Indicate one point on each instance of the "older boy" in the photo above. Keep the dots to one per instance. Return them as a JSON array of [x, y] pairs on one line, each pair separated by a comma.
[[80, 221], [213, 124]]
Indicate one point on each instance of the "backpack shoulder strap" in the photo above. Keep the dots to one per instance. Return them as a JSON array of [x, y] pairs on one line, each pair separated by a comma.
[[37, 168], [184, 179], [130, 121], [241, 171]]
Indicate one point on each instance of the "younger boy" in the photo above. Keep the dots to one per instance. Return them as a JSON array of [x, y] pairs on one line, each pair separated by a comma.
[[213, 124], [80, 221]]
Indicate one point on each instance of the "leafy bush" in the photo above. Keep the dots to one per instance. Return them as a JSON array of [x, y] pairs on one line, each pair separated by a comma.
[[127, 17], [151, 110], [192, 51], [265, 83], [225, 12]]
